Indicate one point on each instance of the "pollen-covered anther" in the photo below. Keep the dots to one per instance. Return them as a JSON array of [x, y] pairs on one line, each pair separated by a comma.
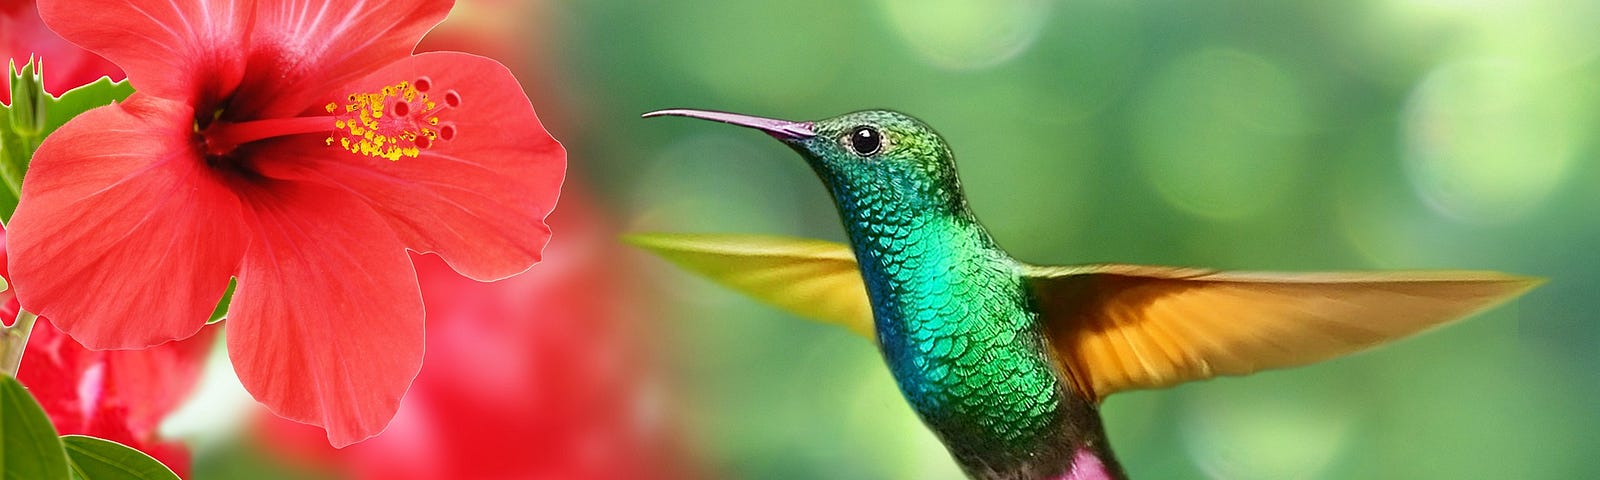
[[396, 121]]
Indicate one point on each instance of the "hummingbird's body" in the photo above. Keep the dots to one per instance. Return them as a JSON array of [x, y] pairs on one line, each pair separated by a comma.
[[959, 330], [1006, 361]]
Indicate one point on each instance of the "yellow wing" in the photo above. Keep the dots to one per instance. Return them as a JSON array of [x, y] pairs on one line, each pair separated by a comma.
[[815, 279], [1123, 327]]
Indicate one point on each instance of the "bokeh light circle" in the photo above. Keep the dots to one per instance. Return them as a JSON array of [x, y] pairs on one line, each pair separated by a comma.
[[1220, 133], [1262, 437], [1486, 141], [968, 34]]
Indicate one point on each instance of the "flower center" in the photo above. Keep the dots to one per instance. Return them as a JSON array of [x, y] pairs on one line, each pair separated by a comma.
[[399, 120]]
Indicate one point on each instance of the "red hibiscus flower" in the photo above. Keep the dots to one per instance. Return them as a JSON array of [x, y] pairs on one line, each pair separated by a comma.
[[26, 36], [537, 376], [116, 395], [297, 146]]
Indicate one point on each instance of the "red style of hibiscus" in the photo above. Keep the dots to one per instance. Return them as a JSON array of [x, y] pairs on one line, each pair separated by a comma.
[[116, 395], [300, 147]]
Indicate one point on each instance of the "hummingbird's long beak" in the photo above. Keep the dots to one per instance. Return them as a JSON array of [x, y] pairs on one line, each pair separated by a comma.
[[783, 129]]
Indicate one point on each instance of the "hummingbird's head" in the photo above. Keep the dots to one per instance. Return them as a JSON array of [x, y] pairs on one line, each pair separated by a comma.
[[870, 155]]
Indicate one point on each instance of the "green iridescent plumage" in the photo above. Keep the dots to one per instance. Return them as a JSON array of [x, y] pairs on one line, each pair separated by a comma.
[[1007, 361], [953, 314]]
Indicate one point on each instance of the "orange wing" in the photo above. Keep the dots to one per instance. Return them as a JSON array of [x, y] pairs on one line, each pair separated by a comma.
[[1124, 327]]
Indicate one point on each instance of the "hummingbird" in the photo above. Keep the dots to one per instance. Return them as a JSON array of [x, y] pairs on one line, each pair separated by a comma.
[[1007, 361]]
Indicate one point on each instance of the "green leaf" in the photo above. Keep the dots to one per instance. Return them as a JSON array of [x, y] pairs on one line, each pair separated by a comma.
[[222, 305], [29, 449], [78, 100], [33, 115], [100, 459]]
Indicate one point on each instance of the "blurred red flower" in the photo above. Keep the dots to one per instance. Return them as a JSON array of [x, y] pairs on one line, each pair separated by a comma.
[[543, 375], [26, 36], [116, 395], [298, 146]]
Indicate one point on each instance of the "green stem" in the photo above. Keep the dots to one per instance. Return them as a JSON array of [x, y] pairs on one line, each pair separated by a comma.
[[14, 340], [10, 174]]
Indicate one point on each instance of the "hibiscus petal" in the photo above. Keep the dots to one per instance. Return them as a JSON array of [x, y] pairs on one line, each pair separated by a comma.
[[278, 53], [190, 51], [311, 45], [123, 237], [479, 199], [326, 325]]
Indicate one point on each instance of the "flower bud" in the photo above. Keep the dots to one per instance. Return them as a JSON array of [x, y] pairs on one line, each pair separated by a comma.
[[27, 98]]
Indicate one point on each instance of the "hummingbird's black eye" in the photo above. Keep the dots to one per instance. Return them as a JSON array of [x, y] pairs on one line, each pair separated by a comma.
[[865, 140]]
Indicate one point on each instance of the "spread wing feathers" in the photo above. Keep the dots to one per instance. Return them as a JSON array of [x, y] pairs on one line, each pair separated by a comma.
[[1124, 327], [814, 279]]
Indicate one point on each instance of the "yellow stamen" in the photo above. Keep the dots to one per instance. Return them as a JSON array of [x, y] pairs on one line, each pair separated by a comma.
[[396, 121]]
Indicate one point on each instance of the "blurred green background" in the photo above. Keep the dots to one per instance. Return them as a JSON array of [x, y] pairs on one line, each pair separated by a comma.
[[1254, 135], [1367, 134]]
